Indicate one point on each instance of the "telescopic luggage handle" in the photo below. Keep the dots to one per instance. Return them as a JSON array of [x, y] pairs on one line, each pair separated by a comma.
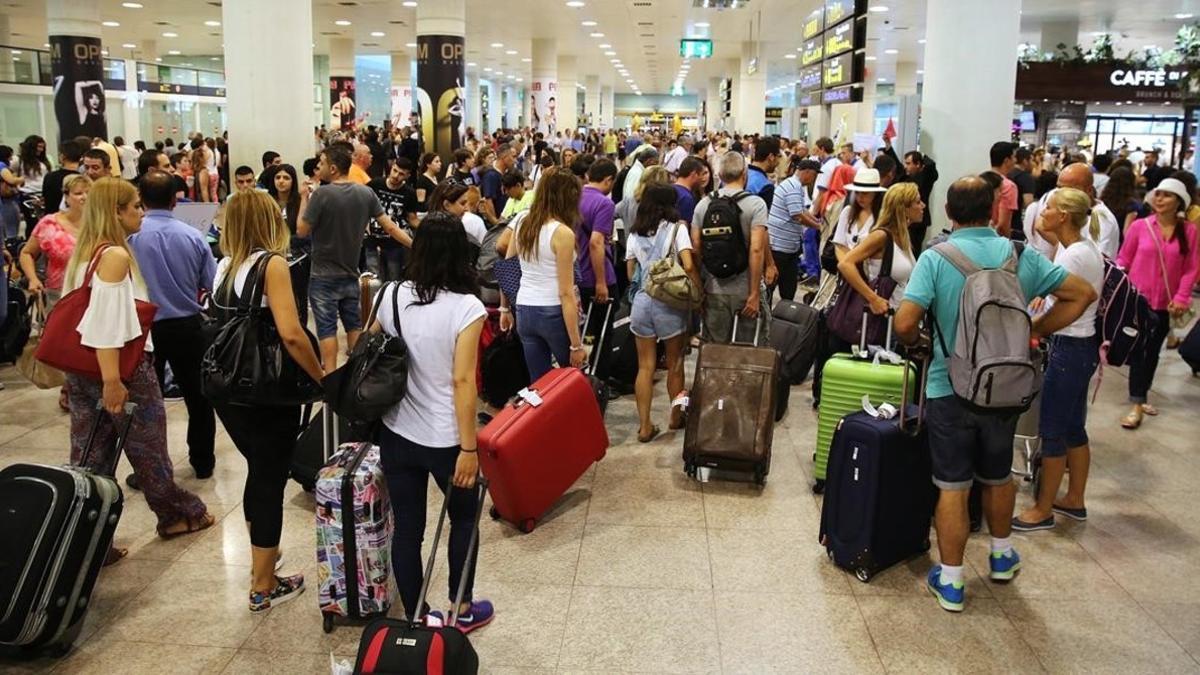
[[757, 327], [598, 346], [84, 456], [481, 488], [862, 340]]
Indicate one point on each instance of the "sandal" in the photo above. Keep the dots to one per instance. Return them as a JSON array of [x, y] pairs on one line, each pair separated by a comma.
[[1149, 410], [193, 527], [679, 410], [654, 432], [114, 556], [1133, 420], [64, 401]]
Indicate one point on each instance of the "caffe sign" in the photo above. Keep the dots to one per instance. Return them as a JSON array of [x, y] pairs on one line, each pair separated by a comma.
[[1145, 78], [1098, 82]]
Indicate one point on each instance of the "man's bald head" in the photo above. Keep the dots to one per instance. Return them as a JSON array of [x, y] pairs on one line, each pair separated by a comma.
[[969, 201], [1078, 176]]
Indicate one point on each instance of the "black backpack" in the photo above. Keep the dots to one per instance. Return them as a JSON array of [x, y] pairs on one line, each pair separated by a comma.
[[618, 191], [723, 245]]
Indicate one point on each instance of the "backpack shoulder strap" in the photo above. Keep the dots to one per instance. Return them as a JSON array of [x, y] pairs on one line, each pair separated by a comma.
[[1014, 260], [956, 257]]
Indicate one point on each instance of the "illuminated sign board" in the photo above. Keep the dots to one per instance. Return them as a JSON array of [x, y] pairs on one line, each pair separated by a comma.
[[810, 78], [843, 70], [814, 24], [847, 36], [813, 52], [696, 49], [842, 95], [838, 10]]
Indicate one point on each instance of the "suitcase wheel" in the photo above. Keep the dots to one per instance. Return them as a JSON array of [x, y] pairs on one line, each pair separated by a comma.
[[327, 623], [818, 487], [863, 574], [526, 526], [689, 469], [494, 513], [760, 478]]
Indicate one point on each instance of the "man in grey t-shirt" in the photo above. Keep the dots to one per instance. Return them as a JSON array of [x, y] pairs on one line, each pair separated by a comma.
[[742, 294], [336, 219]]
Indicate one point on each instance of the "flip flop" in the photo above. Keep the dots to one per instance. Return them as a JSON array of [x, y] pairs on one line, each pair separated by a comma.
[[193, 527], [1149, 410], [654, 432], [1132, 421]]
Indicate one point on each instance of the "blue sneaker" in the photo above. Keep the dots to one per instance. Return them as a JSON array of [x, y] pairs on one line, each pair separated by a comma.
[[481, 614], [1004, 565], [949, 596]]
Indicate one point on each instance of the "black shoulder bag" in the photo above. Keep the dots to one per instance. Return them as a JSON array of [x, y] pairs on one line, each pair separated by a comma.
[[375, 376]]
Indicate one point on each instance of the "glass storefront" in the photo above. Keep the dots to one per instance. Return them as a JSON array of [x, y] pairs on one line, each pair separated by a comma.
[[1110, 132]]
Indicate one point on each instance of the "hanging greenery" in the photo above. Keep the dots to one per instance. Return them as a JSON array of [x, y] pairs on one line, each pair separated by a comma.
[[1186, 51]]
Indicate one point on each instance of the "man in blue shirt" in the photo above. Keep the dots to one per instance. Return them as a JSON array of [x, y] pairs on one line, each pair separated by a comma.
[[968, 446], [690, 179], [758, 178], [177, 264], [789, 222]]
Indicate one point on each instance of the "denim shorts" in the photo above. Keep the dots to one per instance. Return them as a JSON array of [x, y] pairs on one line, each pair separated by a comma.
[[652, 318], [331, 298], [1069, 370], [967, 446]]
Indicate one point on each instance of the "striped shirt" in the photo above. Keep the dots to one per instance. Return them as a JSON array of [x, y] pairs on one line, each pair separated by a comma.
[[786, 233]]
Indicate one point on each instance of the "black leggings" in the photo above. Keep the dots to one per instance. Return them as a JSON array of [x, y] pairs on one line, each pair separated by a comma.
[[788, 275], [266, 437], [1144, 365]]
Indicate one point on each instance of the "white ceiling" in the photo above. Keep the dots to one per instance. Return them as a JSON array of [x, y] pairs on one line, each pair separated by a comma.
[[644, 34]]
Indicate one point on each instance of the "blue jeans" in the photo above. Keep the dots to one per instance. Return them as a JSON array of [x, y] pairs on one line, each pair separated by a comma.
[[332, 298], [386, 260], [407, 467], [543, 335], [1063, 418], [812, 256]]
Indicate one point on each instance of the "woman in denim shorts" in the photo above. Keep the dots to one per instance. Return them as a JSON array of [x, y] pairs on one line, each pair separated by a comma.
[[651, 320], [1074, 355]]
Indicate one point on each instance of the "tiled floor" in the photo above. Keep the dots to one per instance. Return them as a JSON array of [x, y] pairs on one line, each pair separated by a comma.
[[642, 570]]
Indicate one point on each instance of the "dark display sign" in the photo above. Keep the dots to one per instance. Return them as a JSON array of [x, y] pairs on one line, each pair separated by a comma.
[[814, 24], [811, 98], [77, 74], [440, 76], [343, 113], [843, 70], [846, 36], [774, 113], [838, 10], [813, 52], [810, 78], [842, 95], [1096, 82]]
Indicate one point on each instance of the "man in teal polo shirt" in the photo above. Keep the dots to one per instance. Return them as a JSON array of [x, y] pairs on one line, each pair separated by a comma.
[[967, 446]]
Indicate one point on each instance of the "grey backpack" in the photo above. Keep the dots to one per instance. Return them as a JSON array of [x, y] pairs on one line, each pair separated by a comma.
[[993, 368]]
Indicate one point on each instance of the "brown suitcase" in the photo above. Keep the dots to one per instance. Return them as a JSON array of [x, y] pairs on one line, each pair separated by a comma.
[[731, 412], [368, 288]]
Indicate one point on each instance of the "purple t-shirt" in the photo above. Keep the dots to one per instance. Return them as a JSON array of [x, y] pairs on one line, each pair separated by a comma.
[[596, 211], [685, 203]]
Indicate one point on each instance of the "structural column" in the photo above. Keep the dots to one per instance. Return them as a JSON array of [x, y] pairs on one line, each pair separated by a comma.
[[401, 89], [1054, 33], [77, 68], [591, 101], [967, 100], [343, 110], [513, 108], [568, 99], [543, 93], [714, 114], [909, 105], [752, 92], [257, 89], [474, 112], [441, 77], [733, 119], [495, 111], [607, 103], [7, 71]]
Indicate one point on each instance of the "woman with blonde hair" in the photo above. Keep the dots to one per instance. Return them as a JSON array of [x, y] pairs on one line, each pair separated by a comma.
[[901, 205], [55, 236], [112, 213], [627, 209], [547, 305], [264, 434], [1074, 355], [201, 177]]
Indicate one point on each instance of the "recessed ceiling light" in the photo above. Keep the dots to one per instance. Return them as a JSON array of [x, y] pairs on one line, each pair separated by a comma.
[[920, 72], [174, 52], [604, 45], [921, 41], [499, 73], [870, 58], [212, 23], [378, 33], [702, 24], [1183, 15], [616, 61], [891, 51], [170, 34], [487, 70], [410, 44], [878, 8], [526, 60], [47, 45], [882, 79], [409, 3], [596, 35], [510, 52], [129, 45], [341, 22], [610, 53], [520, 79], [214, 58], [511, 77], [471, 64], [497, 45], [16, 52], [575, 3], [789, 56], [589, 23], [110, 24], [131, 5], [158, 59]]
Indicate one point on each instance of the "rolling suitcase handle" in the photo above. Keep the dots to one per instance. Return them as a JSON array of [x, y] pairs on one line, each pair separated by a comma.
[[452, 620], [757, 328], [598, 346], [862, 341], [84, 456]]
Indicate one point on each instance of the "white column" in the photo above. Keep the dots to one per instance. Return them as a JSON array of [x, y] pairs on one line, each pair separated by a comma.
[[968, 95], [818, 124], [591, 100], [132, 104], [341, 57], [495, 106], [1063, 31], [514, 108], [909, 105], [752, 92], [712, 104], [401, 69], [865, 122], [474, 118], [441, 73], [568, 95], [607, 101], [258, 89], [734, 68], [906, 79], [544, 87]]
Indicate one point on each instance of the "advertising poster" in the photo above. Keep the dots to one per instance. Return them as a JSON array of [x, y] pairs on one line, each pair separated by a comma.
[[77, 71], [543, 104], [344, 111], [402, 106], [484, 107], [440, 93]]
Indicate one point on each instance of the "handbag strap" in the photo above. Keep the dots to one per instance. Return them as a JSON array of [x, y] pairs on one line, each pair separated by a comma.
[[1162, 261], [249, 303], [395, 286], [90, 271]]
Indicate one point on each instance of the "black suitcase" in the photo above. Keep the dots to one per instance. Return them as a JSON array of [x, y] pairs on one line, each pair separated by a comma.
[[879, 493], [503, 370], [1189, 349], [56, 525], [794, 334], [318, 441], [403, 647], [622, 348]]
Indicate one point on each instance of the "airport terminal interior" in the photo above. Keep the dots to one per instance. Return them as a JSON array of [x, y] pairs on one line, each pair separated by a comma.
[[658, 489]]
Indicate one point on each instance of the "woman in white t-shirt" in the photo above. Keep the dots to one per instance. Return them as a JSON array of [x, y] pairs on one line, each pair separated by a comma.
[[1074, 356], [455, 198], [901, 205], [858, 217], [431, 431], [547, 302], [652, 236], [264, 434]]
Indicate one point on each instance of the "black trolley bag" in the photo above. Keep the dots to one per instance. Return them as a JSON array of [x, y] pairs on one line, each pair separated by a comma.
[[879, 492], [56, 525], [408, 647]]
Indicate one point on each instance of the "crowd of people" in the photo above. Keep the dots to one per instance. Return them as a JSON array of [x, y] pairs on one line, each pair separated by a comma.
[[583, 217]]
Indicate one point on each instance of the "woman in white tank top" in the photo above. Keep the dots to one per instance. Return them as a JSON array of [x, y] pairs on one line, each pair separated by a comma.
[[547, 308]]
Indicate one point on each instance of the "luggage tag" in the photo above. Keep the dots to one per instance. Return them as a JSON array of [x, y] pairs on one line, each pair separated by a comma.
[[881, 354], [886, 411], [530, 396]]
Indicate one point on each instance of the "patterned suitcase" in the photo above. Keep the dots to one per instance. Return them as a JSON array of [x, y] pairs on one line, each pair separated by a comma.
[[353, 545], [844, 381]]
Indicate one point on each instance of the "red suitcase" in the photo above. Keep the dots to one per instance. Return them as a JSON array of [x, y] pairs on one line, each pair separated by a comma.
[[535, 449]]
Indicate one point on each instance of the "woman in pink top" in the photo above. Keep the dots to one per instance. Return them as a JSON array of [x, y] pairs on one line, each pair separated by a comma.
[[1160, 254]]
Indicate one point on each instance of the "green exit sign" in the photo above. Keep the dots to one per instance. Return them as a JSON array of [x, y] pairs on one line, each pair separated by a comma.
[[696, 49]]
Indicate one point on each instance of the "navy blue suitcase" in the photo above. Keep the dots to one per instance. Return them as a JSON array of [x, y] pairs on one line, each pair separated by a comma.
[[879, 493]]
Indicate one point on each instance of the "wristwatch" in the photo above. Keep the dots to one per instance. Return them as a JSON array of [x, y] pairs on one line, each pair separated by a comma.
[[577, 349]]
